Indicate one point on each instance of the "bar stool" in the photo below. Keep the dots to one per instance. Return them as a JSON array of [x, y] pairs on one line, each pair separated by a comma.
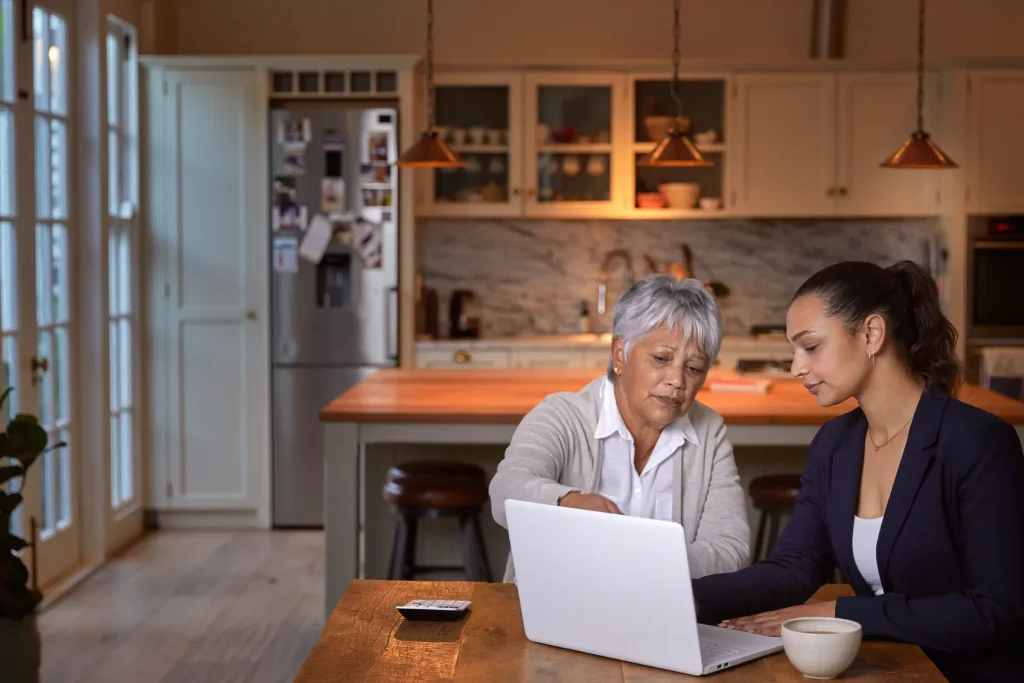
[[774, 495], [431, 490]]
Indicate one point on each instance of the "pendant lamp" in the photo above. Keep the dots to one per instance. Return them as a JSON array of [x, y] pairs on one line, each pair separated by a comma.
[[675, 149], [919, 151], [430, 151]]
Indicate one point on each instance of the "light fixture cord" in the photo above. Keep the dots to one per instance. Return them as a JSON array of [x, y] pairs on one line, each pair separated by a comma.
[[920, 67], [430, 65], [676, 57]]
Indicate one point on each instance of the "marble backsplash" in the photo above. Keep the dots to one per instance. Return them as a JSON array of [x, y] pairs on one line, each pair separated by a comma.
[[530, 276]]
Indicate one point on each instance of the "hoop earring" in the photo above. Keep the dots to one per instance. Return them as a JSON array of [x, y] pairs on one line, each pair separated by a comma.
[[872, 357]]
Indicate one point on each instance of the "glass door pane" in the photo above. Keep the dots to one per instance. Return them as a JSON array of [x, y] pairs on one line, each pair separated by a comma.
[[573, 140], [474, 120]]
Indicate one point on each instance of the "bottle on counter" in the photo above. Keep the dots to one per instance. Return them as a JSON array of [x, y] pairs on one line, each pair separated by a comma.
[[584, 317]]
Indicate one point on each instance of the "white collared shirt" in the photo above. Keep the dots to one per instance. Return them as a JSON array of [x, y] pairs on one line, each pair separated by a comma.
[[648, 494]]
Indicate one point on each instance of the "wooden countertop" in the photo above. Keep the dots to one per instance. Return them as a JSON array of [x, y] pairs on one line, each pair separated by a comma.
[[366, 639], [505, 396]]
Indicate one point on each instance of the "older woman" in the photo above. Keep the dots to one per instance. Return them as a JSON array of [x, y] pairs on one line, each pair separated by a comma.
[[636, 442]]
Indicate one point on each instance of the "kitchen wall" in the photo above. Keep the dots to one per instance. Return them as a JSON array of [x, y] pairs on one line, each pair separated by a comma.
[[543, 31], [532, 275]]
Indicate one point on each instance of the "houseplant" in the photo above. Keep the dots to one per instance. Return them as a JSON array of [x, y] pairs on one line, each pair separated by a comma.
[[21, 444]]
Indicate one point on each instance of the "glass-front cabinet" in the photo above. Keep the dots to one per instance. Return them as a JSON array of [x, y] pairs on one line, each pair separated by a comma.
[[479, 116], [536, 144], [571, 122]]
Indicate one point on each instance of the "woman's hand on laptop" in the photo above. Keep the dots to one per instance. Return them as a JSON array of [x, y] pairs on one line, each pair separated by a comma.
[[770, 623], [588, 501]]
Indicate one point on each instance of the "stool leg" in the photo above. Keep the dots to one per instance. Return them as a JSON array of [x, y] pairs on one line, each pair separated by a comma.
[[470, 549], [759, 543], [488, 577], [773, 531], [403, 560]]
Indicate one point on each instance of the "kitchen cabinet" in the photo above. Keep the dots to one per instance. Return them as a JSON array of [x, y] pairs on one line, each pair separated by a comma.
[[810, 144], [462, 358], [535, 144], [995, 145], [537, 359], [208, 349]]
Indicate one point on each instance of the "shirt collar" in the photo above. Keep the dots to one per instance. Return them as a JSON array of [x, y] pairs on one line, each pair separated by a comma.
[[610, 422]]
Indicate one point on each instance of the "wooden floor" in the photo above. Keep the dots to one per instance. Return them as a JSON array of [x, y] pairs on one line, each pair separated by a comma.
[[192, 607]]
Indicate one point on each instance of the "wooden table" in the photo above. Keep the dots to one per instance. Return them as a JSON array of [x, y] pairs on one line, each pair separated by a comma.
[[366, 639], [485, 406]]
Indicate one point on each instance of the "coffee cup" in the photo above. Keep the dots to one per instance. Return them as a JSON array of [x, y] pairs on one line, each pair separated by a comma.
[[821, 648]]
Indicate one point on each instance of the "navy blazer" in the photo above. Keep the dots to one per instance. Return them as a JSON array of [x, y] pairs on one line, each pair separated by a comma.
[[950, 550]]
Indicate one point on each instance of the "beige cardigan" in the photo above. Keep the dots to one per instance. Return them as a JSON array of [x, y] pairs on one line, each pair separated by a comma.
[[553, 452]]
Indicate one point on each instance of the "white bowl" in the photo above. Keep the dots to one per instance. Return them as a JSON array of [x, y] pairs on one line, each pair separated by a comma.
[[821, 647], [680, 195], [710, 203]]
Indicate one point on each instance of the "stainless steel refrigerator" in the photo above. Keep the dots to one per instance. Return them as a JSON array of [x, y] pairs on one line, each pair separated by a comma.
[[334, 308]]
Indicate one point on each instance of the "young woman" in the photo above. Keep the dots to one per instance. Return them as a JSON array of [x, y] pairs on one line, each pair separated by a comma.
[[917, 497]]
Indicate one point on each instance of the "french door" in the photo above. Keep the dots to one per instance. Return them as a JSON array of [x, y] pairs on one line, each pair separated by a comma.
[[36, 244]]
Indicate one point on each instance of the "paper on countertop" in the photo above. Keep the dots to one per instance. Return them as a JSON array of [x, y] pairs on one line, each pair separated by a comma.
[[316, 239]]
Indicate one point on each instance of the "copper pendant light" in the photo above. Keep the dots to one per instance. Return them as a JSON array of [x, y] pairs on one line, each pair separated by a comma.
[[919, 151], [675, 149], [430, 151]]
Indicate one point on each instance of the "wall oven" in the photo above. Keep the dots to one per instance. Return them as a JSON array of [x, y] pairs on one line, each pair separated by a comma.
[[997, 280]]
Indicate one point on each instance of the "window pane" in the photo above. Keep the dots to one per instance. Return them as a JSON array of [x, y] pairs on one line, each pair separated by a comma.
[[61, 370], [44, 288], [7, 177], [7, 374], [45, 380], [59, 279], [59, 169], [43, 191], [126, 457], [63, 456], [125, 371], [114, 340], [6, 50], [8, 280], [45, 468], [115, 461], [113, 173], [124, 272], [40, 71], [113, 79], [57, 56], [112, 267]]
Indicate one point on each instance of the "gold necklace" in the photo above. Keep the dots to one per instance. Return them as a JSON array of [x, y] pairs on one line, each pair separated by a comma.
[[891, 437]]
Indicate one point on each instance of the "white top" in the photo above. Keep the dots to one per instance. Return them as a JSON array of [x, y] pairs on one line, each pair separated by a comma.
[[648, 494], [865, 553]]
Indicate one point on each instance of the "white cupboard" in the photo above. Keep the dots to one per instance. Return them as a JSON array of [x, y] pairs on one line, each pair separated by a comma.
[[995, 110], [811, 144], [208, 351]]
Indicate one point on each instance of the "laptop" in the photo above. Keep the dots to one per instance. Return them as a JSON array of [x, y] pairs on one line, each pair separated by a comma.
[[619, 587]]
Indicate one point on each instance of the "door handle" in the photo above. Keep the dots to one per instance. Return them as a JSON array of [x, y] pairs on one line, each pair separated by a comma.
[[40, 364], [251, 315]]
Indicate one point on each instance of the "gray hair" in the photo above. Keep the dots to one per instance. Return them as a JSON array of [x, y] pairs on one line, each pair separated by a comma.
[[661, 299]]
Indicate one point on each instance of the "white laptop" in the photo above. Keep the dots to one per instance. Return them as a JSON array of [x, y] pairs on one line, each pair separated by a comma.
[[619, 587]]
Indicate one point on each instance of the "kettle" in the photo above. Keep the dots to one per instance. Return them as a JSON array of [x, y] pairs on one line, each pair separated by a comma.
[[464, 315]]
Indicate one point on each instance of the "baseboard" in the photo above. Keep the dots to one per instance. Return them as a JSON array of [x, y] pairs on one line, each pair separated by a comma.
[[180, 520], [55, 590]]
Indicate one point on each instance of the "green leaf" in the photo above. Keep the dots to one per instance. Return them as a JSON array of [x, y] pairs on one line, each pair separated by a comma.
[[16, 543], [25, 440], [3, 397], [9, 472], [8, 502], [26, 417]]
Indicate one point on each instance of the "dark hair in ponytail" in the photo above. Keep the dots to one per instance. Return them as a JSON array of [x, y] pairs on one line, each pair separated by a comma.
[[908, 299]]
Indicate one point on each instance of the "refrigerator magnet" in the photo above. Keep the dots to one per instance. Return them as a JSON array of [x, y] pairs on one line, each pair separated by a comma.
[[332, 195], [367, 237], [294, 132], [294, 162], [286, 255], [333, 140], [377, 148]]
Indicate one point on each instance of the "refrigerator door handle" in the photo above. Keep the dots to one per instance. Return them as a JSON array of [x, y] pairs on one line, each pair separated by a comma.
[[391, 318]]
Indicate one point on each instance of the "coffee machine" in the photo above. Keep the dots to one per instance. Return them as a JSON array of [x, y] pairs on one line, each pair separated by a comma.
[[464, 315]]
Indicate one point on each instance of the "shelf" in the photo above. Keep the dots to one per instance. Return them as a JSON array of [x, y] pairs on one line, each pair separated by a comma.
[[480, 149], [660, 214], [648, 147], [589, 148]]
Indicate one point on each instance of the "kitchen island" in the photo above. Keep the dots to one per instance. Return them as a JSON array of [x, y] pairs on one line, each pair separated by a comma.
[[484, 407]]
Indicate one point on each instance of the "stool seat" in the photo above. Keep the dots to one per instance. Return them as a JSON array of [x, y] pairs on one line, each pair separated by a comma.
[[775, 490], [440, 484]]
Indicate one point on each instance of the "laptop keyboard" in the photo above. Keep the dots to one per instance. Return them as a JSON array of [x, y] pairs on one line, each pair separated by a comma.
[[710, 653]]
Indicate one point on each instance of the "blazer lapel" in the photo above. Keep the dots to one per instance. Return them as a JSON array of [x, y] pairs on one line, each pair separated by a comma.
[[847, 463], [917, 459]]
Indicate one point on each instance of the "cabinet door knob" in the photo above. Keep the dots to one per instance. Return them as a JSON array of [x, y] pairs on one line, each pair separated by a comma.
[[831, 192], [842, 191], [462, 356], [251, 315]]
